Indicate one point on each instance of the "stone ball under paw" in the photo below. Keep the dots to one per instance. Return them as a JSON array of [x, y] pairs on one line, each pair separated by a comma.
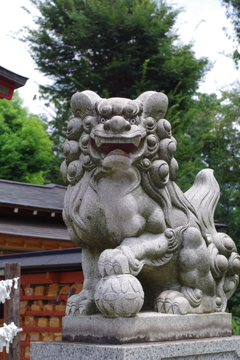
[[119, 295]]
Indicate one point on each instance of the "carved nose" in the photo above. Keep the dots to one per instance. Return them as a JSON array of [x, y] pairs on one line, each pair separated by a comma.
[[117, 124]]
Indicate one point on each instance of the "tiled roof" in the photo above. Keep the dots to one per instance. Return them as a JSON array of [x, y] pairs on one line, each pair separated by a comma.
[[37, 228], [48, 197], [44, 258], [14, 78]]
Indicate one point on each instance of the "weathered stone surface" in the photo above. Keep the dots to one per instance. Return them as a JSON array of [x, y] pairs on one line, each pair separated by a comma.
[[146, 246], [145, 327], [227, 348]]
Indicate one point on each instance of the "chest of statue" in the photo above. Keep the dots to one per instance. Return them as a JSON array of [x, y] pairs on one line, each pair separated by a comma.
[[112, 210]]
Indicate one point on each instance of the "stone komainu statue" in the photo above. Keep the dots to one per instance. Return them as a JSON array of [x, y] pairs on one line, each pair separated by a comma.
[[145, 244]]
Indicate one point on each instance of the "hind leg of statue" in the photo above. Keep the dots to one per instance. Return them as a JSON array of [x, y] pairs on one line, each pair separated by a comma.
[[83, 303], [197, 291]]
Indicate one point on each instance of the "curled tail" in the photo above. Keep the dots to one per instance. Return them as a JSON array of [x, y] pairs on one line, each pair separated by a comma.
[[225, 262], [204, 196]]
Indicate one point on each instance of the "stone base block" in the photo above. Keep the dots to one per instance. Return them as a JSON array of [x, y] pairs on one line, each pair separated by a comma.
[[227, 348], [145, 327]]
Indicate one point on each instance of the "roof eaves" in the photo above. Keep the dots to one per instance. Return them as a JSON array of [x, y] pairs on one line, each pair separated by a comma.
[[42, 259], [47, 186], [42, 236], [35, 207], [17, 80]]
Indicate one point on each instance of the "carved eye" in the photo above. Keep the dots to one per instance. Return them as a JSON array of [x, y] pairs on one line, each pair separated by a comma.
[[103, 120], [132, 121]]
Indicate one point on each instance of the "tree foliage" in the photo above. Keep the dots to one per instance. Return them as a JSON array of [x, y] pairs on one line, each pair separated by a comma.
[[194, 133], [233, 13], [210, 137], [25, 146], [113, 47], [225, 155]]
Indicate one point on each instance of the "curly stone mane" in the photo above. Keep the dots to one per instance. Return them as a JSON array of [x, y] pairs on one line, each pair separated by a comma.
[[157, 165]]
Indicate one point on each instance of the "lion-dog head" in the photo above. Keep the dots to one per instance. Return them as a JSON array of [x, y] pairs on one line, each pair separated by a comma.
[[118, 133]]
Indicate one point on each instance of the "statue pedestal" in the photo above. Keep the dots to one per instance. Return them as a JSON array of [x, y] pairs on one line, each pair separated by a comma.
[[147, 336], [223, 348], [145, 327]]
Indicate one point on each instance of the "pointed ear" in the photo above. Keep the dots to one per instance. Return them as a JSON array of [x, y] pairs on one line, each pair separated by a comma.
[[84, 103], [155, 104]]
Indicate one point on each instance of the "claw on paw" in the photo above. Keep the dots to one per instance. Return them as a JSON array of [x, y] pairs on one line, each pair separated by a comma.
[[81, 304], [71, 305], [172, 302], [112, 262]]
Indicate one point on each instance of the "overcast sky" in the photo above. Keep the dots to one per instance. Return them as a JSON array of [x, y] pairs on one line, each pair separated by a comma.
[[202, 22]]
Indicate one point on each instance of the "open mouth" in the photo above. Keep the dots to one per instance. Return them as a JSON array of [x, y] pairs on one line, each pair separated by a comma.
[[118, 146]]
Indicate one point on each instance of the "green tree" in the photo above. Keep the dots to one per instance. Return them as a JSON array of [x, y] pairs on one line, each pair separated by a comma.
[[113, 47], [25, 146], [194, 135], [233, 13], [209, 136], [224, 157]]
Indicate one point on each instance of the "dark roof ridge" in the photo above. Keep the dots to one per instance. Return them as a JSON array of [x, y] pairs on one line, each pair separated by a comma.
[[42, 253], [49, 186], [45, 261], [36, 196], [16, 79]]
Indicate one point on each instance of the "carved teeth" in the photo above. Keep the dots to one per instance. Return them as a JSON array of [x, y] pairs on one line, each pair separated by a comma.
[[136, 140], [99, 141]]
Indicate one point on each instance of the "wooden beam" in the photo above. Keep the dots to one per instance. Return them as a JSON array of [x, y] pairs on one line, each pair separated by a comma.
[[17, 244], [19, 249], [37, 241], [53, 277], [49, 278]]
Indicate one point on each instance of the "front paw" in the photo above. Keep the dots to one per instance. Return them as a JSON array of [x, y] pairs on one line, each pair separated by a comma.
[[112, 262], [81, 304]]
